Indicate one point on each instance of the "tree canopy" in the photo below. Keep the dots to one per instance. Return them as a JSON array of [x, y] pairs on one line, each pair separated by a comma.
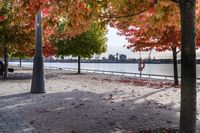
[[85, 45], [13, 36], [163, 15]]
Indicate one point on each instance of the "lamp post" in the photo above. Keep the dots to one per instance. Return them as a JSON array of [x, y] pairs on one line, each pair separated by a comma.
[[38, 85]]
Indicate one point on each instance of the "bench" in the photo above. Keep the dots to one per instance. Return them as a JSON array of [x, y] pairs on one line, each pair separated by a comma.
[[2, 68]]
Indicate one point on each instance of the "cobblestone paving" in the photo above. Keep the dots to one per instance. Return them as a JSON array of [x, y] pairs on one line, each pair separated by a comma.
[[84, 104]]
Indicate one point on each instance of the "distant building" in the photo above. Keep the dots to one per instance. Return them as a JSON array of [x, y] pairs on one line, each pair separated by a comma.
[[97, 57], [117, 56], [111, 57], [103, 58], [122, 57]]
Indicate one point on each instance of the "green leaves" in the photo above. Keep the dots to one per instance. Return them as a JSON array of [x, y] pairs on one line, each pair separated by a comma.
[[85, 45]]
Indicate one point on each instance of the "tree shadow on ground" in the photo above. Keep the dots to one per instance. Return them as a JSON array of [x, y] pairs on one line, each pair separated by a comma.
[[84, 112]]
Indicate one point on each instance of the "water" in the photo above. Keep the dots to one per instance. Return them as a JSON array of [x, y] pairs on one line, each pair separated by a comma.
[[160, 69]]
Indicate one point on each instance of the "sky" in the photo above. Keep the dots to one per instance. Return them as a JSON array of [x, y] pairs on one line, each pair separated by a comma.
[[115, 44]]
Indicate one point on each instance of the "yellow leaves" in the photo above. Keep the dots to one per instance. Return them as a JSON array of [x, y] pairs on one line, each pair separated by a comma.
[[1, 3]]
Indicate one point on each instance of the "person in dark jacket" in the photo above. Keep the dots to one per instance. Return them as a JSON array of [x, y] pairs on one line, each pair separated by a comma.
[[1, 68]]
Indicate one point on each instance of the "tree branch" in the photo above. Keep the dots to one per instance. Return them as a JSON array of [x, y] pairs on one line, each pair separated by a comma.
[[178, 51], [131, 15], [176, 1]]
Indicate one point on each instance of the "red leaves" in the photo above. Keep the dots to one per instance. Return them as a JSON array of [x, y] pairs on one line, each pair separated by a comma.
[[74, 12], [152, 1], [2, 18], [48, 50], [158, 28], [45, 12], [145, 37], [157, 84]]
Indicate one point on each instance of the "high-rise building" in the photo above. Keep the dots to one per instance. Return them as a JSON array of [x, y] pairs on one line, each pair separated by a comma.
[[122, 57], [111, 57], [103, 58]]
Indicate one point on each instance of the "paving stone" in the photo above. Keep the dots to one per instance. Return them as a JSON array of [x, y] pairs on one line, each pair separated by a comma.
[[86, 109]]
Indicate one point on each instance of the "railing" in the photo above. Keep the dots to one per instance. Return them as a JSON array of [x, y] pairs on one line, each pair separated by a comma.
[[158, 76], [166, 77]]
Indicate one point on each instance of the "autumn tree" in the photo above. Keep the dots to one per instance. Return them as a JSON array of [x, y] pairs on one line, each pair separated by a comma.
[[159, 31], [77, 12], [84, 45], [122, 11], [4, 38], [17, 38], [148, 36], [188, 66], [143, 40], [13, 38], [186, 11], [49, 13]]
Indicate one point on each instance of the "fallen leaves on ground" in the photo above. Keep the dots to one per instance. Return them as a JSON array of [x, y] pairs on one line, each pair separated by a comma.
[[157, 84]]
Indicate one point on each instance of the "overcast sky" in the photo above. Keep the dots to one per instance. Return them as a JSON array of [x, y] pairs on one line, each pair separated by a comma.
[[115, 45]]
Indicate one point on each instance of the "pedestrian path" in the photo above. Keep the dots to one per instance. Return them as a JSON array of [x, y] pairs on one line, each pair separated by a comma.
[[86, 104]]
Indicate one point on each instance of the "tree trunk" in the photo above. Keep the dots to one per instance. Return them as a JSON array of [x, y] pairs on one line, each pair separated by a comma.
[[188, 67], [175, 65], [37, 85], [5, 63], [79, 64], [20, 62]]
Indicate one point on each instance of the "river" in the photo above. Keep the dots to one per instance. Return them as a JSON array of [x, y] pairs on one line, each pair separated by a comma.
[[160, 69]]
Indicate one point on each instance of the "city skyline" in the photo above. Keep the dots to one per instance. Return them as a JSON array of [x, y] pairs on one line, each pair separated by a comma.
[[115, 44]]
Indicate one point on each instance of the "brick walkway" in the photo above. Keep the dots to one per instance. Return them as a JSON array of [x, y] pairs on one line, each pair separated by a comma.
[[84, 104]]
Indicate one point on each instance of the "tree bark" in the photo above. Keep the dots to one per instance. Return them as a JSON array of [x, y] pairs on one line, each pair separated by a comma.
[[175, 66], [79, 64], [188, 67], [37, 85], [5, 63]]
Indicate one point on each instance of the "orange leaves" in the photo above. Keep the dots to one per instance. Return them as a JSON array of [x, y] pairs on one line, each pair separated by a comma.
[[151, 10], [168, 14], [158, 28], [198, 22], [75, 12]]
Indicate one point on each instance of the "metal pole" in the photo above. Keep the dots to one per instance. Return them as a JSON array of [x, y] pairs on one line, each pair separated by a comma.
[[140, 63], [38, 85], [5, 63]]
